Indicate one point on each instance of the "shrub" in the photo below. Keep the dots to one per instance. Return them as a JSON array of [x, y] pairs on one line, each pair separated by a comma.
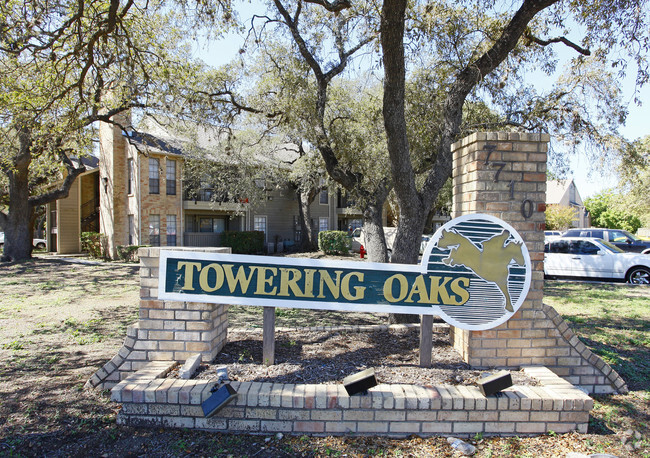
[[244, 242], [334, 242], [93, 243], [127, 253]]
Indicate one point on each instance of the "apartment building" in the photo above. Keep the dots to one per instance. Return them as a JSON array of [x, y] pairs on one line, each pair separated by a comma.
[[134, 194]]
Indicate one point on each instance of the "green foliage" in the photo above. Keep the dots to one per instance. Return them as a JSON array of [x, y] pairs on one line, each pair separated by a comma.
[[608, 209], [128, 253], [620, 219], [334, 242], [559, 217], [634, 173], [244, 242], [93, 243]]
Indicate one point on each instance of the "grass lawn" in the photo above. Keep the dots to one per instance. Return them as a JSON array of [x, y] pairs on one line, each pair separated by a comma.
[[60, 322], [613, 320]]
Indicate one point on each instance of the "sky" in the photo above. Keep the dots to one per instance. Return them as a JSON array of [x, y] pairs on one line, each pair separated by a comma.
[[588, 182], [636, 126]]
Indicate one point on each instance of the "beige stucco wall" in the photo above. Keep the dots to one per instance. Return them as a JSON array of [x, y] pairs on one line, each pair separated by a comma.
[[69, 221]]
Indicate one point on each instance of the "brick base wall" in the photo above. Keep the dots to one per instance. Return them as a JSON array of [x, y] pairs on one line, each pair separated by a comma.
[[149, 399], [167, 330]]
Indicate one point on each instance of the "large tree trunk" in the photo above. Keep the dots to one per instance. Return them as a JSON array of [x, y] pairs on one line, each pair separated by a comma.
[[18, 231], [307, 240], [18, 222], [412, 213], [374, 232]]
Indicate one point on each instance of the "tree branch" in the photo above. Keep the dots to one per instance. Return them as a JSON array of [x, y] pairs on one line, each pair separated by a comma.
[[531, 38], [62, 191], [334, 6], [467, 80]]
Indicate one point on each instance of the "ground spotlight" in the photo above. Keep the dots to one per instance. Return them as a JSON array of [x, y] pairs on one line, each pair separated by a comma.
[[360, 382]]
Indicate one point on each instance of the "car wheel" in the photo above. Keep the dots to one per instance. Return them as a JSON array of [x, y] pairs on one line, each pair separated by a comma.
[[40, 246], [639, 276]]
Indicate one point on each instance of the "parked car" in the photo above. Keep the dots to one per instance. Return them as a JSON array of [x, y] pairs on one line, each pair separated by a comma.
[[38, 243], [618, 237], [552, 235], [358, 238], [594, 258]]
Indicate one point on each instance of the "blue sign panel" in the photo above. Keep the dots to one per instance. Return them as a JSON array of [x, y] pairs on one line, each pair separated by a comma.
[[475, 273]]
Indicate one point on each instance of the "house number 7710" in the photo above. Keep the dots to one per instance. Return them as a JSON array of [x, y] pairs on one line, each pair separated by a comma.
[[527, 206]]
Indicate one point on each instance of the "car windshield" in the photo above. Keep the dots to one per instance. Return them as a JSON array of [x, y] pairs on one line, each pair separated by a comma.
[[611, 247], [619, 235]]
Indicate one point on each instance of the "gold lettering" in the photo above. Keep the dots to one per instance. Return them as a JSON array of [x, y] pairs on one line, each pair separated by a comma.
[[345, 287], [309, 282], [189, 273], [240, 279], [262, 280], [459, 290], [388, 288], [420, 288], [438, 288], [203, 277], [289, 279], [334, 288]]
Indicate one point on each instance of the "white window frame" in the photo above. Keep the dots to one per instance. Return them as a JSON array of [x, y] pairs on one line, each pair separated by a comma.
[[154, 229], [171, 223], [323, 193], [321, 220], [154, 174], [256, 224]]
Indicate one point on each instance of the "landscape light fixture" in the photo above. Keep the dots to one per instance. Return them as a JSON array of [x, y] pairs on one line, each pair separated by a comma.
[[360, 382], [495, 383], [218, 399]]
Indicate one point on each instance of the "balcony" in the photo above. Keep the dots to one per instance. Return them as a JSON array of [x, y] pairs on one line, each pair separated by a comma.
[[208, 199], [202, 239]]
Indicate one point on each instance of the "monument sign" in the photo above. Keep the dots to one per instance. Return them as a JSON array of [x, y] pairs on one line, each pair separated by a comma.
[[475, 273]]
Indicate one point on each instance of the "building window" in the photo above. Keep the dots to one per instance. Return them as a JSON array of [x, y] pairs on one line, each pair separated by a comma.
[[154, 176], [323, 224], [131, 176], [131, 230], [354, 224], [216, 225], [171, 230], [154, 230], [323, 195], [171, 177], [259, 224]]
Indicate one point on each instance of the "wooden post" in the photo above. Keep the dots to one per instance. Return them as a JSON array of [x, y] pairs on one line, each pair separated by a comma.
[[268, 337], [426, 340]]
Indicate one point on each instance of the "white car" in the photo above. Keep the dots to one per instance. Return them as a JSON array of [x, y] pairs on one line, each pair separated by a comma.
[[594, 258], [38, 243], [551, 235]]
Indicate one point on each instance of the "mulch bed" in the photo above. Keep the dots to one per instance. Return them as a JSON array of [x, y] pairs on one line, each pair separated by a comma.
[[326, 357]]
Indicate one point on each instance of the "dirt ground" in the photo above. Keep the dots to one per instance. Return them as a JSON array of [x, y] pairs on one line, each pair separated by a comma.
[[60, 321]]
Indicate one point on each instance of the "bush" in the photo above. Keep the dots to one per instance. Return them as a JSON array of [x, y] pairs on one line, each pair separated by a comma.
[[127, 253], [334, 242], [244, 242], [93, 243]]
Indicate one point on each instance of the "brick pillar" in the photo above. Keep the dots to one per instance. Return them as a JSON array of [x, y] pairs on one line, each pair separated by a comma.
[[167, 330], [504, 174], [113, 185]]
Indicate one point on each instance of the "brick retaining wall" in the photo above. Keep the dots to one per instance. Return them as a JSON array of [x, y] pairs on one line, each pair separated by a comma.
[[149, 399]]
